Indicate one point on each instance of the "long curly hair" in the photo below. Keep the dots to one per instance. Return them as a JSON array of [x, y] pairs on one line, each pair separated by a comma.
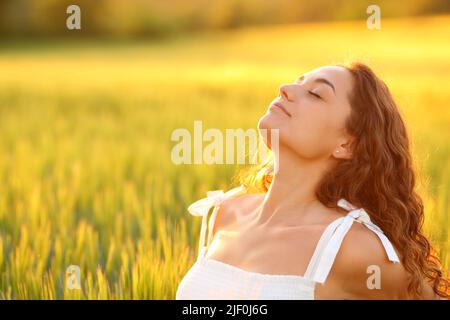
[[379, 177]]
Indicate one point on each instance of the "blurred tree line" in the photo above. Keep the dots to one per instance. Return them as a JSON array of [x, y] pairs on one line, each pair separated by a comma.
[[157, 18]]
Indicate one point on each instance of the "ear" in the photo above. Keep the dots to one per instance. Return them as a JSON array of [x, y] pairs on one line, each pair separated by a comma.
[[343, 151]]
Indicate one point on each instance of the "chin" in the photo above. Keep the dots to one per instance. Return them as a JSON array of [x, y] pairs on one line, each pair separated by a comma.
[[268, 121]]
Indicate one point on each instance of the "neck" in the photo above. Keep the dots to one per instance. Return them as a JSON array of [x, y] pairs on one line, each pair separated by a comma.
[[293, 187]]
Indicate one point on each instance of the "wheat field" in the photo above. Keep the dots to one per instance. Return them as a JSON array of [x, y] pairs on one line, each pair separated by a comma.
[[85, 168]]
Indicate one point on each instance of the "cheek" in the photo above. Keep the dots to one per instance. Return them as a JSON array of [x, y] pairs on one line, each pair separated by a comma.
[[274, 120], [311, 136]]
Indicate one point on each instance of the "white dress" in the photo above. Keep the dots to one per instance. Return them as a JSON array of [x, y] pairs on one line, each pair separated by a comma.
[[213, 279]]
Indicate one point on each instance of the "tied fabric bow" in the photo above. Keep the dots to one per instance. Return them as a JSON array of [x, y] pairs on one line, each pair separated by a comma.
[[336, 234], [359, 214], [201, 208]]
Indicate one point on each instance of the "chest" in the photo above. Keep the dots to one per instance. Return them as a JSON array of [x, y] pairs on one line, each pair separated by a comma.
[[275, 251]]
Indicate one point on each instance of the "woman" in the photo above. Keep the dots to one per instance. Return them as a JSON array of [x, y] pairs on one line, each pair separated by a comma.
[[343, 157]]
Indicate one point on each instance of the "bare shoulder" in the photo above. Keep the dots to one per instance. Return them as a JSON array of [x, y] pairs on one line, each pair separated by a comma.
[[233, 209], [363, 270]]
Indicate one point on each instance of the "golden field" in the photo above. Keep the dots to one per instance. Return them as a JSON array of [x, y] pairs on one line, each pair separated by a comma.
[[85, 167]]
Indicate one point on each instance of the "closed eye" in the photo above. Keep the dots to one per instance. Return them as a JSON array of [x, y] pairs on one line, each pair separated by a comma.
[[315, 94]]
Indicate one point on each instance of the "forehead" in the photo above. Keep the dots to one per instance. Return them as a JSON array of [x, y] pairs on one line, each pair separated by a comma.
[[340, 77]]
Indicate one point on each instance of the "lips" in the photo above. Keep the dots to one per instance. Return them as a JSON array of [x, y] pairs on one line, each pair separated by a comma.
[[280, 107]]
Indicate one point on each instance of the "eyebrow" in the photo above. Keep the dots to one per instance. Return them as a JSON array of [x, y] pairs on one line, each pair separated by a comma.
[[321, 80]]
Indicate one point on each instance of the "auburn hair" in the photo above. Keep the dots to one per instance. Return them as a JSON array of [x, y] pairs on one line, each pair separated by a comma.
[[379, 177]]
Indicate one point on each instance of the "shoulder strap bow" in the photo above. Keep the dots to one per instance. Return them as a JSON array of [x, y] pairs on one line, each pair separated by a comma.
[[360, 215], [331, 240], [201, 208]]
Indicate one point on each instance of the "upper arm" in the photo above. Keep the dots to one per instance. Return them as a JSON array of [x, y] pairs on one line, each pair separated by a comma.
[[364, 271], [367, 273]]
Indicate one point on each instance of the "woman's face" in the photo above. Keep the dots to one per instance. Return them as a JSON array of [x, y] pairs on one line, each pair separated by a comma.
[[316, 106]]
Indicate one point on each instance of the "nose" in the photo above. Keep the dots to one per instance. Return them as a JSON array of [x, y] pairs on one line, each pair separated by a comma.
[[284, 91]]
